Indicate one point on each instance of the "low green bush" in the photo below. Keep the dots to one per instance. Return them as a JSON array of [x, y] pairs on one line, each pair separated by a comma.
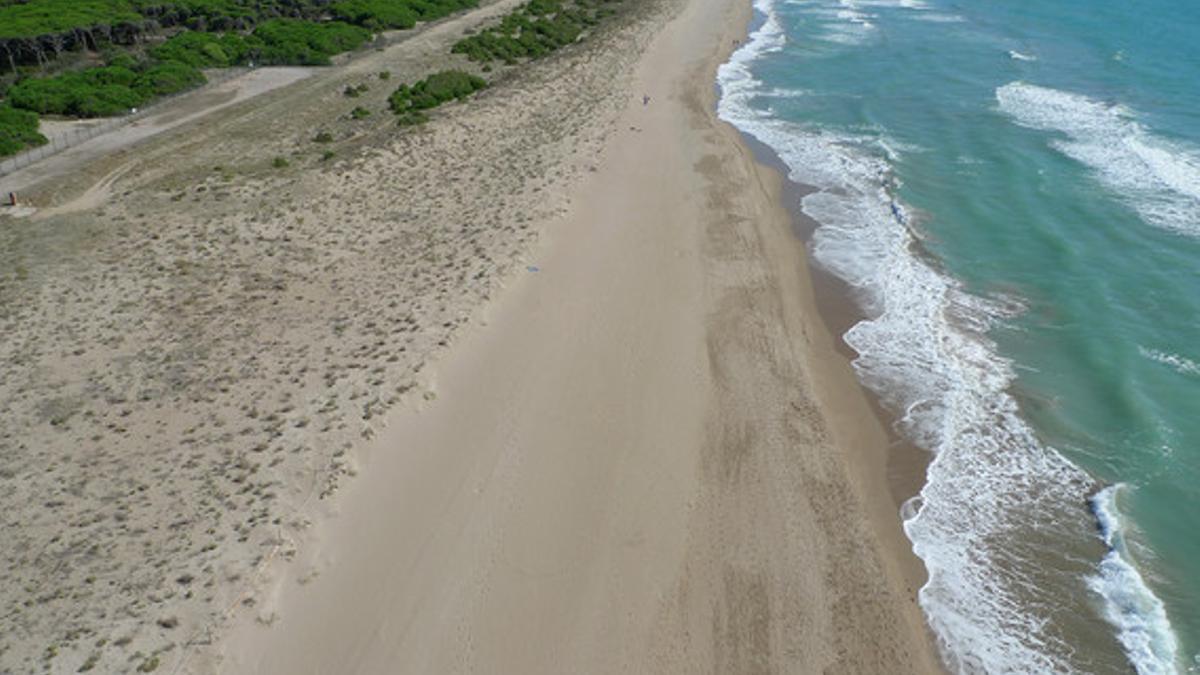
[[20, 19], [376, 14], [383, 14], [18, 130], [104, 91], [94, 93], [167, 78], [204, 50], [412, 118], [533, 30], [304, 43], [435, 90]]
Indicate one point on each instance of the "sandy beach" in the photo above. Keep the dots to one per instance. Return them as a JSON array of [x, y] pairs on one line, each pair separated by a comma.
[[540, 387], [646, 458]]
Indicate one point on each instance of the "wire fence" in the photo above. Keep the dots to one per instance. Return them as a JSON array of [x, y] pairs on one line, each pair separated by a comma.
[[64, 141], [59, 142]]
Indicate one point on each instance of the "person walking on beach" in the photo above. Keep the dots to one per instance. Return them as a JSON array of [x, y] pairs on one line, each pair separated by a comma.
[[645, 100]]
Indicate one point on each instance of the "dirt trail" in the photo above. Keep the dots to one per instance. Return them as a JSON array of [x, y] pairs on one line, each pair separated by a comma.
[[173, 114], [417, 45]]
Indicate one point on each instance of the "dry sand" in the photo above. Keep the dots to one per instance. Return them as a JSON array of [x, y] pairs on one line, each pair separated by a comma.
[[619, 438], [195, 340], [648, 458]]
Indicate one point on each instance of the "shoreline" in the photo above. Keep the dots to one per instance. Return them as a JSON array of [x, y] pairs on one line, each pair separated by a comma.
[[882, 456], [438, 606], [987, 604], [838, 311], [882, 449]]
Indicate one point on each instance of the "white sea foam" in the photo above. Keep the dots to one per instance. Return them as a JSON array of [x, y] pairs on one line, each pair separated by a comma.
[[853, 22], [785, 93], [1129, 604], [1160, 179], [939, 17], [918, 9], [842, 22], [1181, 364], [919, 5], [1018, 56], [924, 349]]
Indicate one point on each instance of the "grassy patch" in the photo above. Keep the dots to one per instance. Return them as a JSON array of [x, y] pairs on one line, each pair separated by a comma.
[[535, 29]]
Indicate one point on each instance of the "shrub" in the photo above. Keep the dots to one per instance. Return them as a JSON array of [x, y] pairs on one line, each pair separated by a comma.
[[305, 43], [279, 163], [168, 78], [36, 31], [102, 92], [381, 14], [122, 60], [45, 17], [376, 14], [360, 113], [534, 30], [434, 91], [323, 137], [204, 50], [412, 118], [18, 130], [385, 75]]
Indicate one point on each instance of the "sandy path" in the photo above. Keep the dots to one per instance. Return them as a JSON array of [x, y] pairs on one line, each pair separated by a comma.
[[649, 458], [174, 114], [421, 42]]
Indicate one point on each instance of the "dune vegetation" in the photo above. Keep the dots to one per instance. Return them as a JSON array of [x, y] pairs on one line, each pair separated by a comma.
[[104, 91], [18, 130], [536, 29], [154, 48], [410, 103], [50, 49]]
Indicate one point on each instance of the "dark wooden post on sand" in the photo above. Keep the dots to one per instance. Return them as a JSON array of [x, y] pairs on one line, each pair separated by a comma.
[[12, 199]]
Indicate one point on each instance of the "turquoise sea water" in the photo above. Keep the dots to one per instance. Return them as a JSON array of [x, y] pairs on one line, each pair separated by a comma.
[[1012, 191]]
